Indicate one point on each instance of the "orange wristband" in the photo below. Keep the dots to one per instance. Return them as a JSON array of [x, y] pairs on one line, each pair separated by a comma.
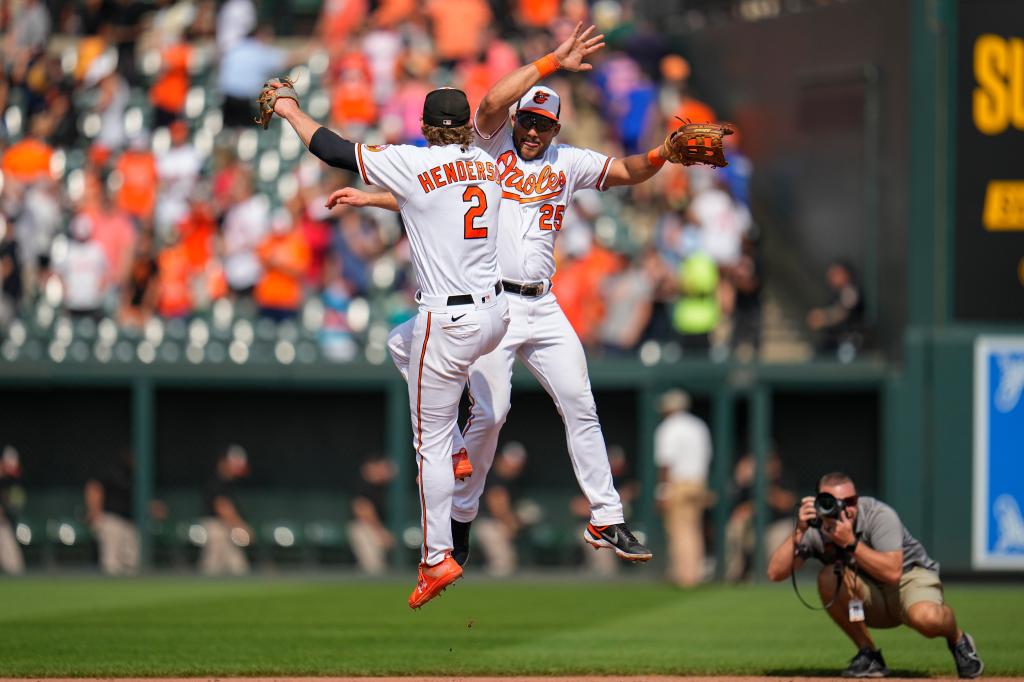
[[547, 65], [655, 158]]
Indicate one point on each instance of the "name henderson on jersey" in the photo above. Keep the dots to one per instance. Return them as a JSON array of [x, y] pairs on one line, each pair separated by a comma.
[[510, 176]]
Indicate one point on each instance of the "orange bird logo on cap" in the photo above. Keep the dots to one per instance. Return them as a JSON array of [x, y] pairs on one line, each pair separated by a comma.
[[540, 97]]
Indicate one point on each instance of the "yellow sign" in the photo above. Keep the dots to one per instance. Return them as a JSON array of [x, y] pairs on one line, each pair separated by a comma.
[[1004, 205], [999, 71]]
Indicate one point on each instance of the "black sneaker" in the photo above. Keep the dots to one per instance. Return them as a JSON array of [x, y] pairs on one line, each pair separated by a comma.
[[460, 541], [968, 663], [867, 663], [618, 538]]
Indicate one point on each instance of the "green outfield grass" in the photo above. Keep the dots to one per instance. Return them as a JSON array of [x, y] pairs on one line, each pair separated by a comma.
[[161, 626]]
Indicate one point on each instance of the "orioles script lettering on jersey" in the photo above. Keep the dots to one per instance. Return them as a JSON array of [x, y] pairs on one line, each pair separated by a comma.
[[545, 184], [457, 171]]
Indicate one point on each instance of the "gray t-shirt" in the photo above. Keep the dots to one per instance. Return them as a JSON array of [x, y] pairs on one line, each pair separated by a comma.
[[879, 527]]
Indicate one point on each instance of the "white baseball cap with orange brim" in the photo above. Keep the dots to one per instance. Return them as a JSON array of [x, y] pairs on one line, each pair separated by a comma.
[[541, 100]]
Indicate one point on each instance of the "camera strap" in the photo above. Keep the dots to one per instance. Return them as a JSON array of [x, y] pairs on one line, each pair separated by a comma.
[[837, 569]]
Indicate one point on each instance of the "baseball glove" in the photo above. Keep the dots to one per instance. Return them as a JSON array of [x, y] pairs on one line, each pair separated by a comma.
[[693, 143], [273, 89]]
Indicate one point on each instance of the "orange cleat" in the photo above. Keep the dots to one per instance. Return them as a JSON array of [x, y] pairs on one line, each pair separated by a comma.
[[433, 580], [461, 464]]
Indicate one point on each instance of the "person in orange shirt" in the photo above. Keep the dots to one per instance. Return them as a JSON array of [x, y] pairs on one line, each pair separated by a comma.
[[458, 27], [170, 90], [285, 257], [352, 102], [538, 14], [174, 281], [676, 98], [29, 160], [139, 180]]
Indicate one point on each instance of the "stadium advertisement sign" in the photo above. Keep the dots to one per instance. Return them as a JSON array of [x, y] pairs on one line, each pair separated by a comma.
[[998, 453], [989, 233]]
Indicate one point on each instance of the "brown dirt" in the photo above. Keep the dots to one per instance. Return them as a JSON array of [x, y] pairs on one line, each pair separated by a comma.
[[641, 678]]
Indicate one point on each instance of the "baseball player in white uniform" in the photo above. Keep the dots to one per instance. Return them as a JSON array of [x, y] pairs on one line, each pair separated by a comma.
[[448, 196], [537, 181]]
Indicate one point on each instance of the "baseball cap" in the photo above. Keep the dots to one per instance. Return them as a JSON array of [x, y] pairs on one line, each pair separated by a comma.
[[446, 107], [673, 401], [541, 100]]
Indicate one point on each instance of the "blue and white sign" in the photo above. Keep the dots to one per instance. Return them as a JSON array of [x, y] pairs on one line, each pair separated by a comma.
[[999, 453]]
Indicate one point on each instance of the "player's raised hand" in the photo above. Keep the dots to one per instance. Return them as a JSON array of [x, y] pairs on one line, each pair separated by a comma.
[[577, 47], [348, 196]]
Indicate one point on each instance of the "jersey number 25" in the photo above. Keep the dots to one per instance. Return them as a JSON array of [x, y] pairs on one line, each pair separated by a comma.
[[475, 211], [551, 217]]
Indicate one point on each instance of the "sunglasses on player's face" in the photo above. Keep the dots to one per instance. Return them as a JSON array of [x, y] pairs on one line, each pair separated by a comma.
[[531, 121]]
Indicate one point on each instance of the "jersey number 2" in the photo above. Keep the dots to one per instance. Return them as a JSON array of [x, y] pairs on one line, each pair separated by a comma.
[[551, 216], [475, 211]]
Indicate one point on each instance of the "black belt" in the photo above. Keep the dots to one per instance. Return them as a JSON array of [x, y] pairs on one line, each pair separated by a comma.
[[466, 299], [532, 290]]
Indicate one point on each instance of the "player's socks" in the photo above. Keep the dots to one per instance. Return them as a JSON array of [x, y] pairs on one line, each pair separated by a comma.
[[460, 541]]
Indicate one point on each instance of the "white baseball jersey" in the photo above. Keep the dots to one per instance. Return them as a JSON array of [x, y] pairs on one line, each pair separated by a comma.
[[449, 200], [534, 196]]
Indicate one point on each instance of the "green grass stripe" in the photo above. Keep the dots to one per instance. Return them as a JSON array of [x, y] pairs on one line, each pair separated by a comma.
[[164, 627]]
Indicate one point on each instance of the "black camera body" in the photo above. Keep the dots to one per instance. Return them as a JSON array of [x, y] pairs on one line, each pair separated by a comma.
[[826, 506]]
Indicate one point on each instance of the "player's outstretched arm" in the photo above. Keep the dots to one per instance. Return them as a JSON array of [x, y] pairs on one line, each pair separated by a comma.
[[323, 143], [349, 196], [635, 169], [570, 56]]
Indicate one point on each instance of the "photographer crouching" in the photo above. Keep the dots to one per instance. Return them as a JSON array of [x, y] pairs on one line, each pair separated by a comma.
[[875, 574]]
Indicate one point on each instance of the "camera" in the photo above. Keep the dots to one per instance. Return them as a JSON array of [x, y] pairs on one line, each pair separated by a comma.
[[826, 506]]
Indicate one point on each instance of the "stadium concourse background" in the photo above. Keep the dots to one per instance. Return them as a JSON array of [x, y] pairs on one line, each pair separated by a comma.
[[852, 116]]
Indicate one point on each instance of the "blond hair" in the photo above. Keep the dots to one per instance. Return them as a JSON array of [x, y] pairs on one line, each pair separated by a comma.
[[441, 136]]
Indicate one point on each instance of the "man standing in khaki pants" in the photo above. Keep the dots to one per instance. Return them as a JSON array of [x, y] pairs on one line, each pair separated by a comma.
[[682, 451]]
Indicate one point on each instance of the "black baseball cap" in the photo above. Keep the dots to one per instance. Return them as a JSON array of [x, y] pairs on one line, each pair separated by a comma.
[[446, 107]]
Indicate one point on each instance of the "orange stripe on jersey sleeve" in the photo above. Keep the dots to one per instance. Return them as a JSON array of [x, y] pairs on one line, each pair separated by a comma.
[[362, 166], [604, 172]]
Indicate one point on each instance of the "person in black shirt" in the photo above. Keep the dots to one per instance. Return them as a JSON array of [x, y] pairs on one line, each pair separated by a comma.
[[226, 529], [739, 531], [498, 527], [368, 534], [841, 322], [12, 498], [108, 512]]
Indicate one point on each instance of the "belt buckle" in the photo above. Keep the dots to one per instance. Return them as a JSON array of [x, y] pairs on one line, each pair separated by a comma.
[[533, 289]]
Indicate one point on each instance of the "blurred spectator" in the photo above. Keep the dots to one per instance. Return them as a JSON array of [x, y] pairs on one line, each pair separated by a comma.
[[178, 169], [226, 529], [170, 90], [682, 451], [244, 67], [140, 181], [497, 528], [235, 20], [85, 271], [739, 171], [697, 312], [28, 32], [34, 218], [10, 275], [458, 27], [336, 340], [113, 230], [353, 109], [110, 516], [174, 279], [110, 94], [357, 242], [739, 531], [629, 300], [124, 28], [579, 279], [245, 225], [629, 99], [675, 97], [722, 223], [28, 160], [745, 304], [340, 18], [537, 14], [284, 255], [12, 500], [841, 322], [370, 538], [138, 295]]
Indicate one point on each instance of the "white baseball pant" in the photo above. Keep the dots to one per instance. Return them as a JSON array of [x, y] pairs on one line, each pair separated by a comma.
[[445, 341], [542, 338]]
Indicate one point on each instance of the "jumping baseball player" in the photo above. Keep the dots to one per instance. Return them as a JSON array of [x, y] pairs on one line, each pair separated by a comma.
[[448, 196], [537, 181]]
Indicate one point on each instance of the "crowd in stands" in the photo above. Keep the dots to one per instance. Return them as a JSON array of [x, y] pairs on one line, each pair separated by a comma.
[[136, 186]]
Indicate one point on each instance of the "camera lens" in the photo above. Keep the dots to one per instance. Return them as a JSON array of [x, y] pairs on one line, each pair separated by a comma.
[[826, 506]]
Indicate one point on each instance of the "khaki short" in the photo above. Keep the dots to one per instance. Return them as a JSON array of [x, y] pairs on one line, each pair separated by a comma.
[[886, 606]]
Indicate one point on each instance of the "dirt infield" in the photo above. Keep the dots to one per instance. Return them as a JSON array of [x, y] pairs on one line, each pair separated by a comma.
[[612, 678], [641, 678]]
